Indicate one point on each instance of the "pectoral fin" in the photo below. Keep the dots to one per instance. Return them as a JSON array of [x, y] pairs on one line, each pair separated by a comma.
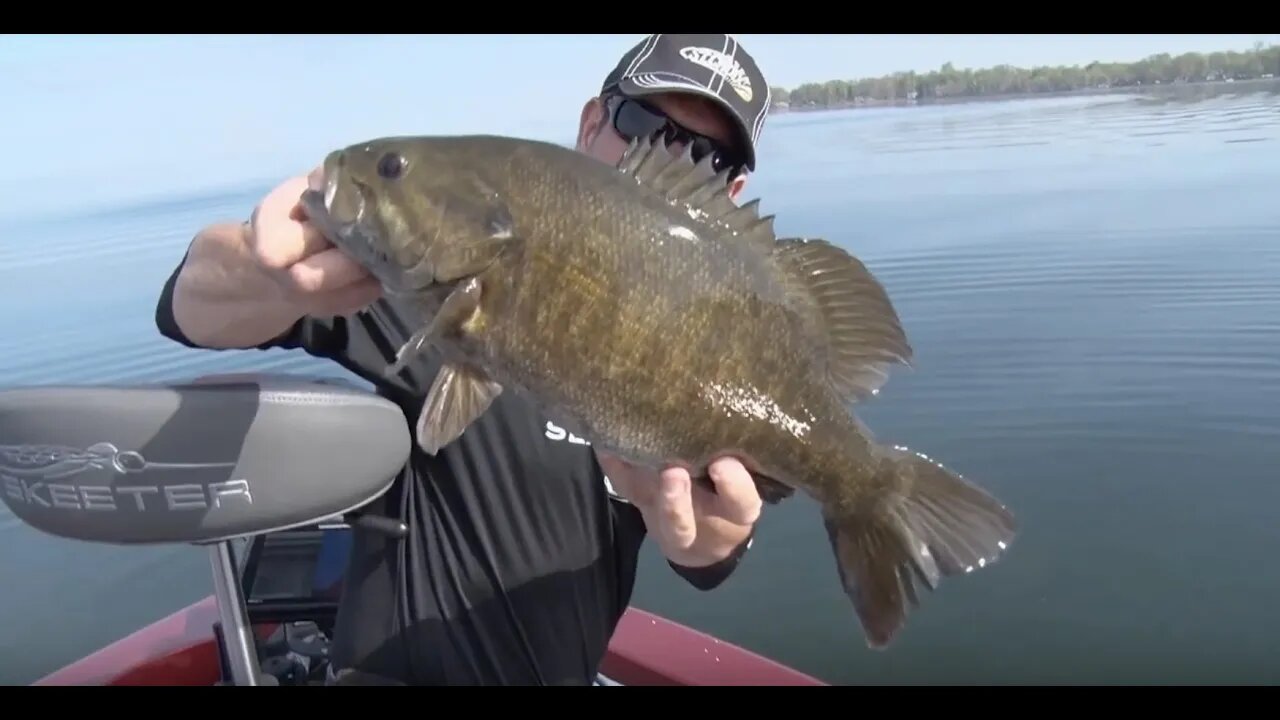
[[459, 395], [410, 350], [458, 307]]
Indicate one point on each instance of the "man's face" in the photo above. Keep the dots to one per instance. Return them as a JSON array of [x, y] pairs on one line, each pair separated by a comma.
[[598, 138]]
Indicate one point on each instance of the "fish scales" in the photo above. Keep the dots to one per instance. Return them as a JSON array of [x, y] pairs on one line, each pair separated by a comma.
[[640, 308], [637, 316]]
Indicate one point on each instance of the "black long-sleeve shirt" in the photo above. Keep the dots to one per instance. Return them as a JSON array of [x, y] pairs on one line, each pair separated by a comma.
[[519, 559]]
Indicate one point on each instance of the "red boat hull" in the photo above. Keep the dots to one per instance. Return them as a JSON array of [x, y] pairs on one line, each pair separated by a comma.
[[646, 650]]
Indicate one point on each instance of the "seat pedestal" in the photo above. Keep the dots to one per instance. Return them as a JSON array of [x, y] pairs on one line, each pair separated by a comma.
[[237, 635]]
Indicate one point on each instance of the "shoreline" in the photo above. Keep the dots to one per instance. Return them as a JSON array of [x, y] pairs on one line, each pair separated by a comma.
[[1203, 88]]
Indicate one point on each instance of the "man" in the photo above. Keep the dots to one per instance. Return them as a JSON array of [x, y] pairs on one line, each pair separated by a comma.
[[519, 558]]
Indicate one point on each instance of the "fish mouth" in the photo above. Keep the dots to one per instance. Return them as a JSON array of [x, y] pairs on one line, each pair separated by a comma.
[[315, 203], [338, 225], [337, 204]]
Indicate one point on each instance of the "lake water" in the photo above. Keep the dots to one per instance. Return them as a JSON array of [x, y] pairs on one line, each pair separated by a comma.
[[1092, 288]]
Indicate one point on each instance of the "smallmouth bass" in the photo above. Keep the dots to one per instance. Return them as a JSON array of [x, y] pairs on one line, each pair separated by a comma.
[[640, 308]]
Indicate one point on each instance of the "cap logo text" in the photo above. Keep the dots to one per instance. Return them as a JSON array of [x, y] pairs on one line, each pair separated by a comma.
[[722, 65]]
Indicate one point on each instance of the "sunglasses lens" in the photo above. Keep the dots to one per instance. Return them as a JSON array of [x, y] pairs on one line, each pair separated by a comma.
[[703, 147], [632, 120]]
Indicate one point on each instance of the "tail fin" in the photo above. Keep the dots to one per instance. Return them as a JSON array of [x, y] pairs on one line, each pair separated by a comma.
[[930, 522]]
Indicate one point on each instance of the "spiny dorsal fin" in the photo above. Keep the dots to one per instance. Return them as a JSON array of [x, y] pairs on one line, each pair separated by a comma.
[[636, 154], [692, 180], [697, 187], [743, 217], [855, 327], [757, 230], [678, 178]]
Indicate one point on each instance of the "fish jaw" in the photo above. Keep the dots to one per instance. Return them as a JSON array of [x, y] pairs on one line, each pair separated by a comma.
[[322, 201], [338, 206], [336, 210]]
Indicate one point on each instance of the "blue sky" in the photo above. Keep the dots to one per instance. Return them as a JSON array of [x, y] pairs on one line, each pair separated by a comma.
[[110, 117]]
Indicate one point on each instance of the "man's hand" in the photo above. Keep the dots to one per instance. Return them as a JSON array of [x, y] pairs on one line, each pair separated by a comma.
[[245, 283], [694, 526], [310, 273]]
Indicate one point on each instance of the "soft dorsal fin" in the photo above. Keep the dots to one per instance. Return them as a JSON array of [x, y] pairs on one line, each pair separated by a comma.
[[849, 314], [697, 188]]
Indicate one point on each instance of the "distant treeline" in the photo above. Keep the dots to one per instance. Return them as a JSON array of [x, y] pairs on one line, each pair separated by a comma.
[[948, 83]]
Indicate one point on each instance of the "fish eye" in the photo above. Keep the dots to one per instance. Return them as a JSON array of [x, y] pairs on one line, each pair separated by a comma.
[[391, 166]]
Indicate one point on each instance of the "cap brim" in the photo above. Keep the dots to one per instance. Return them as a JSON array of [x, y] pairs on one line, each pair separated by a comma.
[[631, 88]]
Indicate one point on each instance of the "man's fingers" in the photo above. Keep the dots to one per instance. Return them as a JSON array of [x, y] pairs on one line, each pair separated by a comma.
[[279, 234], [325, 271], [285, 243], [346, 300], [737, 499], [675, 509], [313, 243]]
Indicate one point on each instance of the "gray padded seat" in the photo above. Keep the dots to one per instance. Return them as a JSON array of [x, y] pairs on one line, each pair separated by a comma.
[[195, 462]]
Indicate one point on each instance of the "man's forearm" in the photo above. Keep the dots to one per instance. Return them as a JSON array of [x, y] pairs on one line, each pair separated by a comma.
[[222, 298]]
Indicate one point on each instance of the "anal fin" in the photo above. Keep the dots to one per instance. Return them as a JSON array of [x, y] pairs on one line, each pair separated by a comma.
[[856, 329]]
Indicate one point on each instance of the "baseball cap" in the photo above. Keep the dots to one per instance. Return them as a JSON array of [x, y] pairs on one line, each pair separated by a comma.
[[712, 65]]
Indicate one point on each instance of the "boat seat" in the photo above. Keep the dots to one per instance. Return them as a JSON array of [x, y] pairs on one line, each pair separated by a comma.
[[198, 462]]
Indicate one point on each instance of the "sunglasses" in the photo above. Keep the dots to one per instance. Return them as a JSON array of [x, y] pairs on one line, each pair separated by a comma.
[[633, 119]]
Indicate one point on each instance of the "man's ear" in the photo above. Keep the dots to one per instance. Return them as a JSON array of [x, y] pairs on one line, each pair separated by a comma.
[[589, 123], [736, 185]]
